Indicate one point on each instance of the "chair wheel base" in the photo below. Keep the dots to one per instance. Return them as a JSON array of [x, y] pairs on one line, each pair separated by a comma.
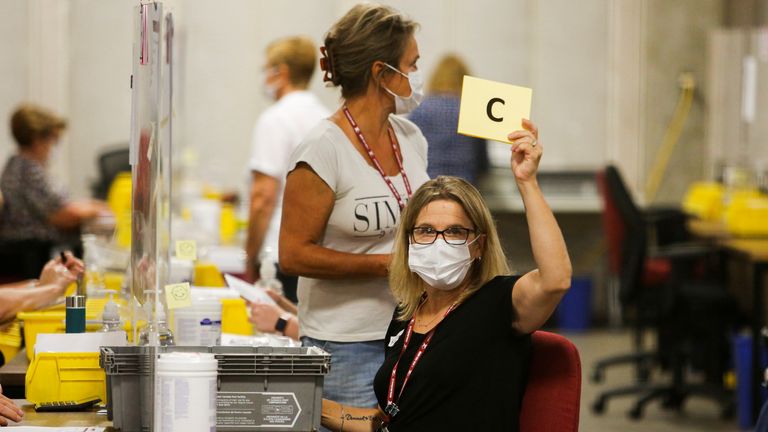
[[728, 412], [643, 374], [635, 413], [672, 403], [597, 376], [598, 407]]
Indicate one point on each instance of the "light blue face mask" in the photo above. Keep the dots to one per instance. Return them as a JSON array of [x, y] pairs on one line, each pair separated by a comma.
[[404, 105]]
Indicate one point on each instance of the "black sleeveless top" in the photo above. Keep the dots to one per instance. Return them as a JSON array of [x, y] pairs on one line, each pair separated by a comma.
[[472, 375]]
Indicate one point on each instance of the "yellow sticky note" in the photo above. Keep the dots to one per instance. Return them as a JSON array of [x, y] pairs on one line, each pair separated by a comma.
[[178, 295], [186, 250], [492, 110]]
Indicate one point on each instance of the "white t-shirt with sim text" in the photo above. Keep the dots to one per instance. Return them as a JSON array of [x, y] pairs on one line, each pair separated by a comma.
[[364, 218]]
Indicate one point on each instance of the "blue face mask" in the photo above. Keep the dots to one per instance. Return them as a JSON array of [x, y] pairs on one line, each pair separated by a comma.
[[404, 105]]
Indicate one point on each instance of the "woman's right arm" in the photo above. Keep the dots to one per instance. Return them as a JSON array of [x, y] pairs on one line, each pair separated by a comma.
[[338, 417], [21, 300], [307, 205], [54, 280], [73, 213]]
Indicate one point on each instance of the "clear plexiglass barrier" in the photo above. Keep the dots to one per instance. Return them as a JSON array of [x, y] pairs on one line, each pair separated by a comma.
[[151, 170]]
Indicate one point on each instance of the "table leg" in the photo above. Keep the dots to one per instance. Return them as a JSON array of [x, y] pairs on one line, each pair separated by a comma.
[[758, 276]]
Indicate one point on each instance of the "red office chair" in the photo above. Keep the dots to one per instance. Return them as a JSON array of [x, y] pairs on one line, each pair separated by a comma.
[[552, 396], [653, 273]]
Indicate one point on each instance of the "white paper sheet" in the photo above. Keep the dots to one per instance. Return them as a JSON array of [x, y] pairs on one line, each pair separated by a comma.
[[59, 429], [252, 293]]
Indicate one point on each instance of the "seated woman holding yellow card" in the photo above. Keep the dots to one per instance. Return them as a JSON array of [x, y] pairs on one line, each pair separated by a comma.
[[459, 343]]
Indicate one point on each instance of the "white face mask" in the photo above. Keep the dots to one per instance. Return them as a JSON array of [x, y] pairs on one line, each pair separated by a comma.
[[404, 105], [441, 265], [269, 90]]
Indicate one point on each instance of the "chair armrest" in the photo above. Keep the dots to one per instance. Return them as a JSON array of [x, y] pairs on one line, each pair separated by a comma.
[[661, 214], [682, 250], [668, 225]]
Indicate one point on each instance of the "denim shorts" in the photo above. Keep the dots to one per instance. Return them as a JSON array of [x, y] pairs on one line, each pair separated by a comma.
[[353, 367]]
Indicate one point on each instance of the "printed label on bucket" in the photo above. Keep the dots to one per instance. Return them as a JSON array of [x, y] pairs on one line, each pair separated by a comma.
[[256, 409]]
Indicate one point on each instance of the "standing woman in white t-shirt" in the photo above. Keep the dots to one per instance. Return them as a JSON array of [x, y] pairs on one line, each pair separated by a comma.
[[348, 183]]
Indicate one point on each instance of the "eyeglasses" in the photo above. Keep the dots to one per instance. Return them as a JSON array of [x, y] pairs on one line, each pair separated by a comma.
[[452, 235]]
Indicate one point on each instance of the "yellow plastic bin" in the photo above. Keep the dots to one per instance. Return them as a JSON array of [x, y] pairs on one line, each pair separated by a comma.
[[56, 377], [52, 321], [234, 317], [747, 216], [705, 200], [208, 275], [10, 341], [113, 281]]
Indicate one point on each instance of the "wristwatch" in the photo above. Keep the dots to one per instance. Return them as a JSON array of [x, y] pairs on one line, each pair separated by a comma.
[[282, 323]]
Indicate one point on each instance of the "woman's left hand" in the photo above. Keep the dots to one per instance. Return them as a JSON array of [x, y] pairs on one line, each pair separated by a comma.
[[526, 152]]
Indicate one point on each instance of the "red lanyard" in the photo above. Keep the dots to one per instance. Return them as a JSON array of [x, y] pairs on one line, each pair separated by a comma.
[[393, 140], [392, 409]]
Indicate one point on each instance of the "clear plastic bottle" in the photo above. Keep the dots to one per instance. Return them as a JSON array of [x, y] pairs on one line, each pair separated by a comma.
[[156, 333], [94, 274], [110, 318]]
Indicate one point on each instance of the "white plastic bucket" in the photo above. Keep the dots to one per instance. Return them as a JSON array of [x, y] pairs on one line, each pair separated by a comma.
[[199, 324], [185, 392]]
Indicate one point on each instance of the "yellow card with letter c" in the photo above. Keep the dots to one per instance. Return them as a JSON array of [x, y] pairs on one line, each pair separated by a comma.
[[492, 110]]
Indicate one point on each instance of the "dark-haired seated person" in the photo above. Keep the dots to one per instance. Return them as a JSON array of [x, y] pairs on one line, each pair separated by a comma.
[[458, 347], [36, 219]]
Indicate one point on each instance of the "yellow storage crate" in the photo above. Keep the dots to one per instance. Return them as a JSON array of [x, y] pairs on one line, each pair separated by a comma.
[[208, 275], [10, 341], [56, 377], [748, 216], [113, 281], [234, 317], [705, 200], [52, 321], [228, 224], [119, 201]]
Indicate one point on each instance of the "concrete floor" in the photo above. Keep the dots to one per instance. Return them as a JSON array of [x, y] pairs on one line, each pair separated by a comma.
[[699, 415]]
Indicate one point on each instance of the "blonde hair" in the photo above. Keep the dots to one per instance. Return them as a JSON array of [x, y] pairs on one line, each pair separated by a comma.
[[448, 76], [298, 53], [32, 122], [408, 287], [365, 34]]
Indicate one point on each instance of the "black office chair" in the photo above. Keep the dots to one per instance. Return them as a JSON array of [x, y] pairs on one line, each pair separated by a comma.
[[111, 162], [688, 309], [638, 305]]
